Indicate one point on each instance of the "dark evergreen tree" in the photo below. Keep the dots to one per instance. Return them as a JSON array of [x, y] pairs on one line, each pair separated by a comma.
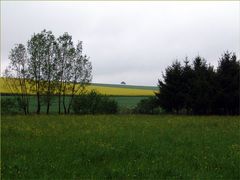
[[199, 89], [202, 86], [187, 86], [227, 100], [171, 94]]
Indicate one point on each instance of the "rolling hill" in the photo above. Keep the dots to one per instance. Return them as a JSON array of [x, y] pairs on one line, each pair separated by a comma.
[[7, 87]]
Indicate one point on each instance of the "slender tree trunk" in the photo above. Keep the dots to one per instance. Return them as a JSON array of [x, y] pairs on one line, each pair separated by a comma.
[[59, 97], [48, 95], [60, 91], [64, 98], [48, 103], [26, 96], [70, 104], [48, 106], [38, 103], [38, 90], [27, 103], [38, 98], [59, 103], [22, 103], [25, 111], [72, 95], [64, 104]]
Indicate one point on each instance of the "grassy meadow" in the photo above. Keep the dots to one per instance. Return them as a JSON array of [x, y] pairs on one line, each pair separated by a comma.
[[120, 146]]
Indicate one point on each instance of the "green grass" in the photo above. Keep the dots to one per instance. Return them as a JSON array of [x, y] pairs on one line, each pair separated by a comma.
[[123, 146]]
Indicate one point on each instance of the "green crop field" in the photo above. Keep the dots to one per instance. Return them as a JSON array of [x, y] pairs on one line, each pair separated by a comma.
[[123, 102], [128, 101], [120, 146]]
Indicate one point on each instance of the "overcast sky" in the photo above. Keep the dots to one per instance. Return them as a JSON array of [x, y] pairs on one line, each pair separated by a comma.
[[128, 41]]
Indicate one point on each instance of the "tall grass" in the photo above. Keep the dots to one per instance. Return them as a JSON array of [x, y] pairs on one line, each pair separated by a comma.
[[127, 146]]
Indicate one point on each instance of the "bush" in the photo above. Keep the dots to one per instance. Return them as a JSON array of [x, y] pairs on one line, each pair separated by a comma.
[[125, 110], [147, 106], [9, 105], [94, 103], [108, 106]]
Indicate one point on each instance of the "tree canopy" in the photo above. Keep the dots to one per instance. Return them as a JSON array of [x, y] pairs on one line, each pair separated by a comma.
[[199, 88]]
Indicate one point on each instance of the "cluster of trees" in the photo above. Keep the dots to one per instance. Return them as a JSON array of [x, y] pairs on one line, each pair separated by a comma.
[[46, 67], [148, 105], [201, 89], [94, 103]]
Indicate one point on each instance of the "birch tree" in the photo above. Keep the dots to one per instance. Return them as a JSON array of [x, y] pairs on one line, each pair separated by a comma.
[[49, 68], [81, 74], [18, 67], [36, 49], [66, 58]]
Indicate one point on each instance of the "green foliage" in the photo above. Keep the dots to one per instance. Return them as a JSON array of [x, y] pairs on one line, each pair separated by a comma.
[[199, 89], [14, 105], [108, 106], [21, 104], [120, 147], [202, 87], [9, 105], [49, 65], [171, 89], [147, 106], [228, 85], [94, 103], [126, 110], [18, 69], [125, 103]]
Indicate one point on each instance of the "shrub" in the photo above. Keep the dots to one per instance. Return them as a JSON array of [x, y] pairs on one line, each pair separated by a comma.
[[94, 103], [108, 106], [147, 106], [125, 110], [9, 105]]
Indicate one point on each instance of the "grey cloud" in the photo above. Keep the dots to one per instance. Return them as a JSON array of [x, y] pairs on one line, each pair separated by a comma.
[[130, 41]]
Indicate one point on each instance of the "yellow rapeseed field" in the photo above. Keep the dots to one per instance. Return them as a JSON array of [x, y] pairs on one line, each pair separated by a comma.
[[7, 86], [121, 91]]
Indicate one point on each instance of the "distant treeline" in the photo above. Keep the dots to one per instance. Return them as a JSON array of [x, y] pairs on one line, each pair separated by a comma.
[[198, 88]]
